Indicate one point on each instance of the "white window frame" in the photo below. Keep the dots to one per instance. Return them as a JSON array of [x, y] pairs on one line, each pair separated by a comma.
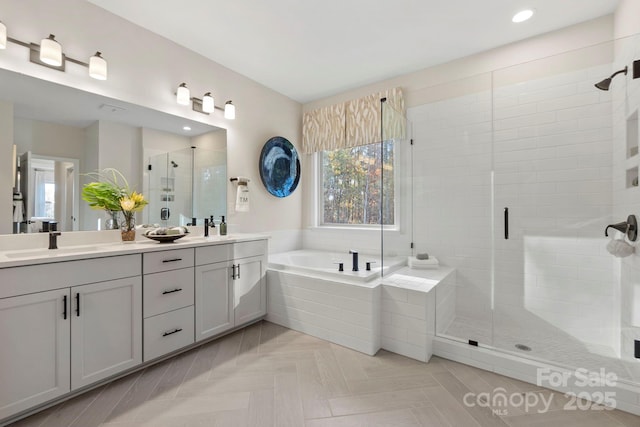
[[319, 190]]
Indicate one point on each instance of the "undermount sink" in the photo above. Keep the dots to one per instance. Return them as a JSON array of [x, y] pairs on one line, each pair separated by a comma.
[[50, 252]]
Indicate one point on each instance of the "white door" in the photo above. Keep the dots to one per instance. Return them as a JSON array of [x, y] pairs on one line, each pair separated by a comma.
[[106, 329], [249, 293], [34, 355], [214, 299]]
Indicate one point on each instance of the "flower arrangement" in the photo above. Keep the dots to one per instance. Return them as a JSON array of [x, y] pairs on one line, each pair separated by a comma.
[[111, 192]]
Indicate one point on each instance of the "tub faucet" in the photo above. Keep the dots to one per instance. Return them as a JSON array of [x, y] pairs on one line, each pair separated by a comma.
[[53, 239], [355, 260]]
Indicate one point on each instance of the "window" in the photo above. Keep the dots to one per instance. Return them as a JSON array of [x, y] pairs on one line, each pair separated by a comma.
[[353, 184]]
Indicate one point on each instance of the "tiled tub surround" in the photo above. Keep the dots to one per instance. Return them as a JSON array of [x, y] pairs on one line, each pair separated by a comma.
[[74, 318], [396, 313]]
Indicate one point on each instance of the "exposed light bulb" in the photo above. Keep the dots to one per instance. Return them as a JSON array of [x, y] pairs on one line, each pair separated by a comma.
[[229, 111], [98, 67], [522, 16], [183, 97], [208, 104], [3, 36], [51, 51]]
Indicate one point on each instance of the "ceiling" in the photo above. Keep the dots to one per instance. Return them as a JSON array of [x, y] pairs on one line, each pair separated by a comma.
[[308, 50]]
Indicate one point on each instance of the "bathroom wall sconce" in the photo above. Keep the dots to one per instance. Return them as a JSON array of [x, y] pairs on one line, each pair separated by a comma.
[[49, 54], [206, 105]]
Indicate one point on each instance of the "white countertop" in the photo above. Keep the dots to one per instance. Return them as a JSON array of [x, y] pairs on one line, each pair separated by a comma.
[[421, 280], [42, 255]]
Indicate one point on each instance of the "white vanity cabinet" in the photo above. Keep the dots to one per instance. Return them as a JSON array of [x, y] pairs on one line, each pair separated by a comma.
[[106, 329], [34, 355], [230, 286], [66, 325], [168, 301]]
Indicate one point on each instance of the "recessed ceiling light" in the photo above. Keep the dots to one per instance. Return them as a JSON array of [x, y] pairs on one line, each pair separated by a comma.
[[522, 16], [186, 128]]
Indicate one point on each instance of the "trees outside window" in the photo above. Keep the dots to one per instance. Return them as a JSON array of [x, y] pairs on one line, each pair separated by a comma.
[[353, 184]]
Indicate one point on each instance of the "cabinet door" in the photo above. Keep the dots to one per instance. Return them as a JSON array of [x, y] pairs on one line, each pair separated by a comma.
[[34, 355], [214, 300], [249, 293], [106, 329]]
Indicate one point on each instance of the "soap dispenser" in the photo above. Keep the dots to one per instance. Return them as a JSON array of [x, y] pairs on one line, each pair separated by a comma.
[[223, 227]]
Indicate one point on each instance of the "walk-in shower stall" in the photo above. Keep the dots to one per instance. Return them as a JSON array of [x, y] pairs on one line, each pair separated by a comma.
[[511, 178]]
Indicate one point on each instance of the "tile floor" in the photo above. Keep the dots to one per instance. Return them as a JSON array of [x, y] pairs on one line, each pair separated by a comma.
[[267, 375], [546, 344]]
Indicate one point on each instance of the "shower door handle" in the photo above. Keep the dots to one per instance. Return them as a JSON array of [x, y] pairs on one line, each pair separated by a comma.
[[506, 223]]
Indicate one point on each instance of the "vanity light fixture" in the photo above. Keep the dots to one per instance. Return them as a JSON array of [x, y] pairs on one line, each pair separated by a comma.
[[206, 105], [183, 96], [98, 67], [229, 111], [51, 51], [49, 54]]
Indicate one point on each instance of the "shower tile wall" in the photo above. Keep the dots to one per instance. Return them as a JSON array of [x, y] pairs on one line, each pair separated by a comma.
[[626, 200], [552, 163]]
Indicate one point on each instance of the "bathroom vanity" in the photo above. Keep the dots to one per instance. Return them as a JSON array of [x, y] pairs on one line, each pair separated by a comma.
[[76, 317]]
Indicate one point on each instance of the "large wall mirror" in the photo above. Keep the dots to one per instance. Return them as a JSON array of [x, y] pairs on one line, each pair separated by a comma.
[[58, 134]]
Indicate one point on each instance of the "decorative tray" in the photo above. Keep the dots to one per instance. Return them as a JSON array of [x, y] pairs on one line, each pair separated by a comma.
[[164, 238]]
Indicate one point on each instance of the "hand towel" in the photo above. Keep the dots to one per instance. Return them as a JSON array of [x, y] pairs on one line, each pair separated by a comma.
[[242, 197], [432, 262], [18, 210]]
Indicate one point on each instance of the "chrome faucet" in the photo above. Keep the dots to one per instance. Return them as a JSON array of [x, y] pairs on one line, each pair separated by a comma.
[[53, 239], [355, 260]]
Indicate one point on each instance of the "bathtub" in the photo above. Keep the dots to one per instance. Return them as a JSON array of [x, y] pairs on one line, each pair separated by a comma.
[[307, 293], [325, 264]]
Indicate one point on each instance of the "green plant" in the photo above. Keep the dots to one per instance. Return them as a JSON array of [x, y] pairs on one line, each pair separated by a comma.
[[111, 192]]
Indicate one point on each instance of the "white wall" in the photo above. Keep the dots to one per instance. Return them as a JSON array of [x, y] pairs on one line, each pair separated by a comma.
[[145, 69], [48, 139]]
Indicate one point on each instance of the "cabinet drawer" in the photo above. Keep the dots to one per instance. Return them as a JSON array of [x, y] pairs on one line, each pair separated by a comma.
[[214, 253], [167, 291], [249, 249], [221, 253], [155, 262], [168, 332]]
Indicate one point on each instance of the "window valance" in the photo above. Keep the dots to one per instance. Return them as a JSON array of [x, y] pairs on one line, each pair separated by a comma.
[[354, 123]]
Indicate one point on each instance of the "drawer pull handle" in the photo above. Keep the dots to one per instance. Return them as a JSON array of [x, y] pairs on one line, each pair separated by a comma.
[[172, 291], [175, 331], [172, 260]]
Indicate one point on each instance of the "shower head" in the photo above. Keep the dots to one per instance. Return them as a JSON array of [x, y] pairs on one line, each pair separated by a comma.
[[604, 84], [174, 164]]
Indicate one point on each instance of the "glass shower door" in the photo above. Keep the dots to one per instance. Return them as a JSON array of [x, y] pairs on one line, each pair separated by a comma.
[[451, 201], [555, 292]]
